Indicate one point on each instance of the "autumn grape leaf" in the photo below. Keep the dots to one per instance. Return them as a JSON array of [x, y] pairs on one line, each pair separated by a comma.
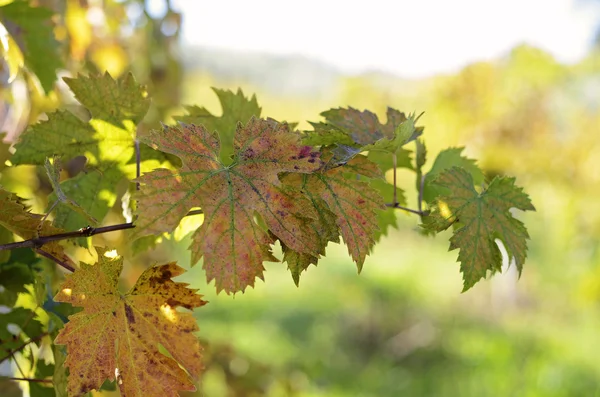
[[31, 29], [106, 140], [16, 218], [353, 203], [480, 219], [118, 335], [363, 131], [235, 108], [231, 242], [445, 160]]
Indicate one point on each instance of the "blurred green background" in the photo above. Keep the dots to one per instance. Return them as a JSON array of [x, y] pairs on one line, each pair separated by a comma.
[[401, 327]]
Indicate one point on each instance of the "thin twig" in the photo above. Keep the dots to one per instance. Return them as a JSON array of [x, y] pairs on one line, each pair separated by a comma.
[[22, 346], [421, 188], [18, 365], [55, 259], [394, 160], [137, 164], [396, 205], [28, 379]]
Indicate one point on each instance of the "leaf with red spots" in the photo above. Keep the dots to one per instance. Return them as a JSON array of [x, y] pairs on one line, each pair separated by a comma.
[[346, 206], [231, 239], [117, 336]]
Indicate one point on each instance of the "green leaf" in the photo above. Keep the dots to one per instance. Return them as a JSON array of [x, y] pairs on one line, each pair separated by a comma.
[[236, 108], [31, 29], [25, 321], [43, 370], [363, 131], [480, 219], [53, 169], [106, 140], [445, 160], [4, 151], [385, 160], [404, 132], [324, 134], [59, 378]]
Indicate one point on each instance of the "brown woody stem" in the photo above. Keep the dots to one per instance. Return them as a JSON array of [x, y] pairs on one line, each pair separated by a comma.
[[38, 242]]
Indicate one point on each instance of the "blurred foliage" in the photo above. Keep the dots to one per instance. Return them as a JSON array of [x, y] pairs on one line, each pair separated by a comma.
[[401, 328]]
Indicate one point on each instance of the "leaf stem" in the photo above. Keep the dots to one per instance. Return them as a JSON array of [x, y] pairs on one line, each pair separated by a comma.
[[394, 162], [55, 259], [28, 379], [22, 346], [421, 188], [137, 164], [396, 205]]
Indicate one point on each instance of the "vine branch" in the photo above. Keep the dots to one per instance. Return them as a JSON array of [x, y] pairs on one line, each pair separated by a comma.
[[88, 231]]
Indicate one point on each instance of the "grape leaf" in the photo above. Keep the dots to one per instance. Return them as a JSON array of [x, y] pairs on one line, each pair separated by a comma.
[[445, 160], [363, 130], [15, 217], [118, 336], [106, 140], [53, 169], [236, 108], [31, 28], [27, 325], [480, 219], [353, 203], [232, 243], [44, 371]]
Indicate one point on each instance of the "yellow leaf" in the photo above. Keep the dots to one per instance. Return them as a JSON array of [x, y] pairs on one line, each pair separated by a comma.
[[118, 336]]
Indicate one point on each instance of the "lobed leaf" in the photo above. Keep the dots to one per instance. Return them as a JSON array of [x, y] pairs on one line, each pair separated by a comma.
[[236, 108], [106, 140], [480, 219], [118, 336], [363, 130], [232, 243], [53, 168], [351, 202], [446, 160]]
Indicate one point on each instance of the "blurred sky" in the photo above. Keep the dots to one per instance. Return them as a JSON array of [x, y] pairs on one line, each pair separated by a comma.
[[410, 38]]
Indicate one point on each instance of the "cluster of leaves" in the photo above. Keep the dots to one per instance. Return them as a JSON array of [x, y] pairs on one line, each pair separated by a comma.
[[256, 181]]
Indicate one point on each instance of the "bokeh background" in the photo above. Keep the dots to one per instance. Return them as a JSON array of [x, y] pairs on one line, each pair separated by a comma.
[[515, 82]]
